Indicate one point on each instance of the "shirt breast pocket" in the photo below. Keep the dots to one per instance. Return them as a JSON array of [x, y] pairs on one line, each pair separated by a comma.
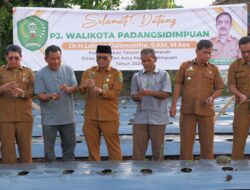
[[189, 77], [5, 79], [241, 77], [157, 85], [233, 53], [24, 82], [209, 78], [108, 85]]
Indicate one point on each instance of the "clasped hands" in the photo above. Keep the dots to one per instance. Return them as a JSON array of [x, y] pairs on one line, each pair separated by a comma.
[[64, 88], [144, 92], [13, 89], [90, 85]]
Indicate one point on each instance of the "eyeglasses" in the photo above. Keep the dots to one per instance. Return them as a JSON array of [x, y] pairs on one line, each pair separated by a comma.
[[99, 57], [245, 52], [13, 58]]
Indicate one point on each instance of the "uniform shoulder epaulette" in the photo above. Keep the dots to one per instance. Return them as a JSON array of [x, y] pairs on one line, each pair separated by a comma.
[[93, 67], [212, 65], [26, 68], [238, 61], [189, 62], [114, 69], [234, 38]]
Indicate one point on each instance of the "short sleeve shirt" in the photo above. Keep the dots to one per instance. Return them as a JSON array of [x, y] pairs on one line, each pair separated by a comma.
[[61, 111], [151, 110], [239, 75], [198, 83], [102, 107]]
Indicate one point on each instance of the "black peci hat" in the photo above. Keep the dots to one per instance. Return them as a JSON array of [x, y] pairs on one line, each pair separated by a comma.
[[103, 49]]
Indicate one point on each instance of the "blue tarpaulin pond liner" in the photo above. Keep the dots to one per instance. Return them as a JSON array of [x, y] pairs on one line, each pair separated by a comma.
[[168, 174], [127, 175], [223, 132]]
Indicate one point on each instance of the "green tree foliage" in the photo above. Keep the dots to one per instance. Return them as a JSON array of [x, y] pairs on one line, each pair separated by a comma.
[[144, 5], [6, 6], [5, 30], [97, 4], [151, 4]]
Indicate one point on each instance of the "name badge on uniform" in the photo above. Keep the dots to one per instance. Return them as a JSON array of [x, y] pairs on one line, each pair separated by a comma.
[[92, 75], [190, 68], [24, 77], [105, 86]]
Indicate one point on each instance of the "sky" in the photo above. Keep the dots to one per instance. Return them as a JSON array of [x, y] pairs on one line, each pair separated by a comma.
[[184, 3]]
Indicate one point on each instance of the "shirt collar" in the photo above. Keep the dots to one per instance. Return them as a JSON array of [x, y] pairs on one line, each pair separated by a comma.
[[156, 70], [18, 68], [195, 63], [229, 38], [107, 69], [243, 62]]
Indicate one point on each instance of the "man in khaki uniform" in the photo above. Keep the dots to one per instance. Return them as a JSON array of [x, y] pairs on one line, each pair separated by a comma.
[[225, 46], [200, 83], [102, 85], [16, 90], [239, 85]]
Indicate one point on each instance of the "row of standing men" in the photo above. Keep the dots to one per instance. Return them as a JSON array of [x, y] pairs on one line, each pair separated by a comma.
[[198, 81]]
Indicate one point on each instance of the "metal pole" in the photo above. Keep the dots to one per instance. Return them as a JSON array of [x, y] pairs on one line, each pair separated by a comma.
[[223, 109]]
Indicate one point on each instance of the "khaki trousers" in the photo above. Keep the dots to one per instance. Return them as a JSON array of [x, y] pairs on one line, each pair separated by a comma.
[[241, 126], [92, 131], [141, 135], [188, 124], [21, 133]]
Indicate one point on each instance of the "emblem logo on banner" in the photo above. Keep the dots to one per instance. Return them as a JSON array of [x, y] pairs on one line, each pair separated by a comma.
[[32, 32]]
